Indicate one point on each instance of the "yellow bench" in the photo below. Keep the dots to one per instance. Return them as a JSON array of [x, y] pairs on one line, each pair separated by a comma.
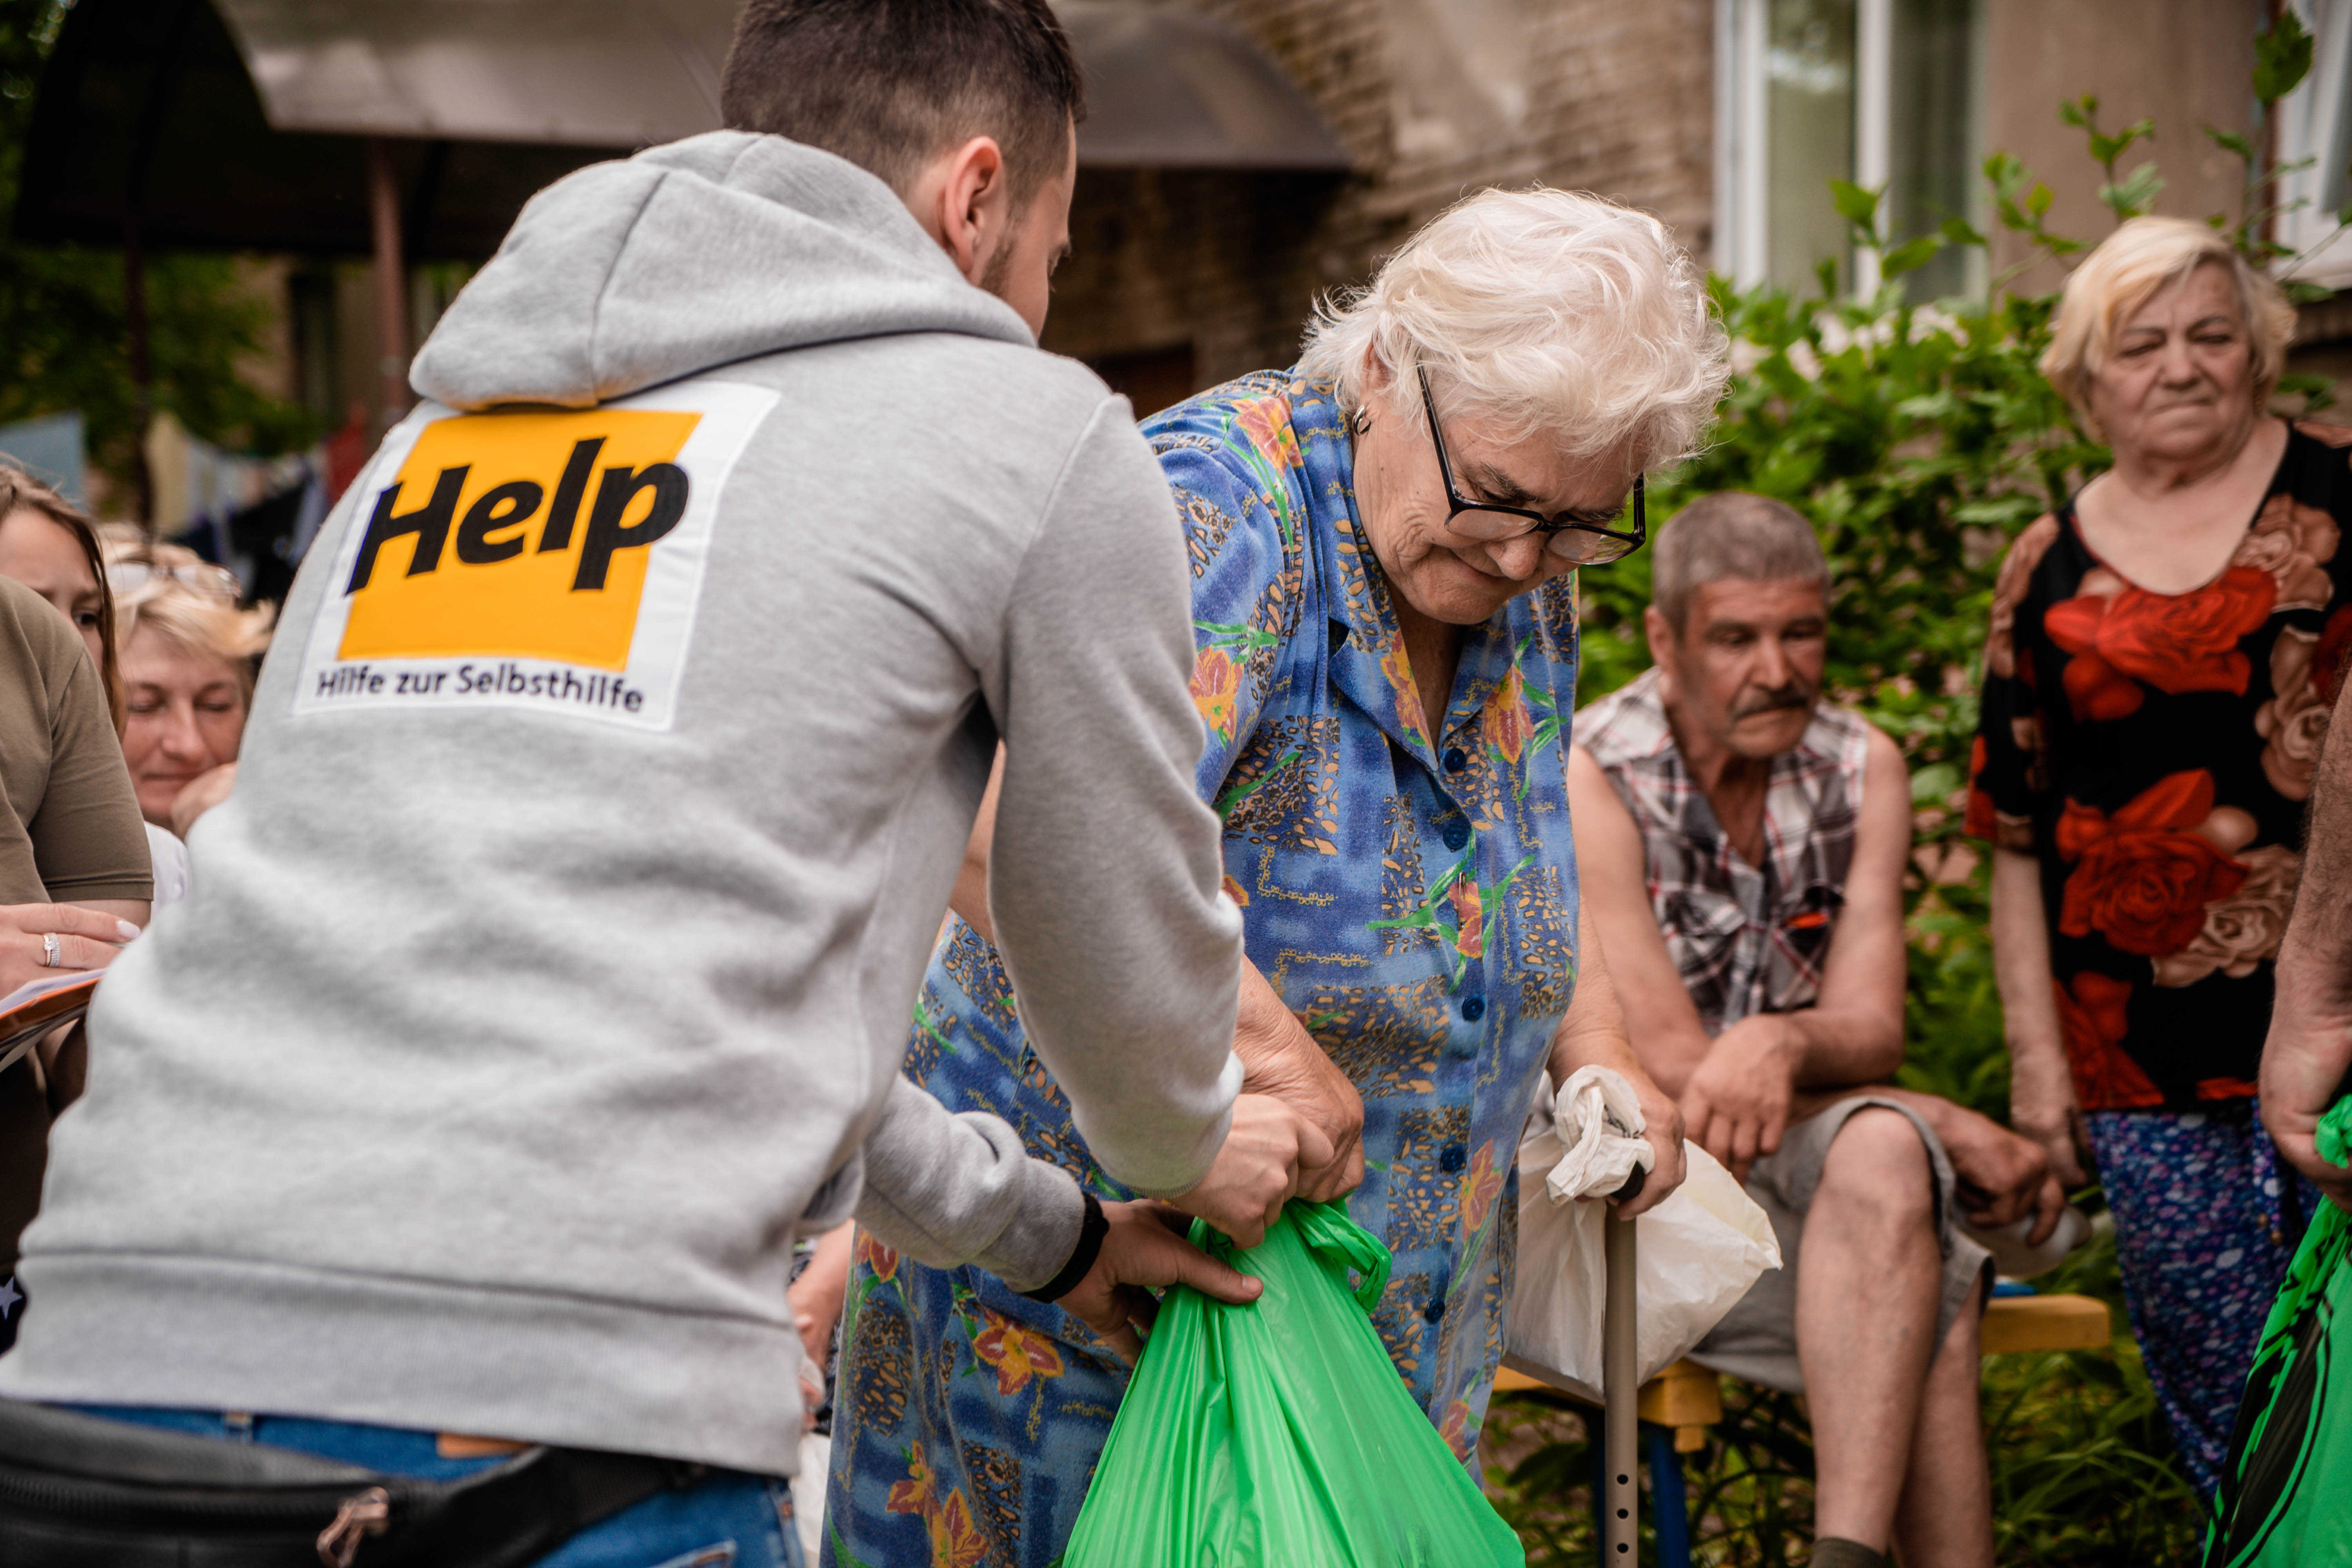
[[2015, 1323], [1687, 1397]]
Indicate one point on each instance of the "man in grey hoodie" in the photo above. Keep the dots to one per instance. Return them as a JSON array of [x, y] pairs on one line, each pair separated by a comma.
[[548, 971]]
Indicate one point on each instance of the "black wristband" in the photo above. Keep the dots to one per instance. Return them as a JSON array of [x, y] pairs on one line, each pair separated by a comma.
[[1092, 1228]]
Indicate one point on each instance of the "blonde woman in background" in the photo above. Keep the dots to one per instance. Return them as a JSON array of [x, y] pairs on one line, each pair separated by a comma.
[[188, 657], [2164, 652]]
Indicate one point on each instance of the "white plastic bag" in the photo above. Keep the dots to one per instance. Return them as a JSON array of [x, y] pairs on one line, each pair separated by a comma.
[[808, 1493], [816, 1458], [1598, 1124], [1696, 1253]]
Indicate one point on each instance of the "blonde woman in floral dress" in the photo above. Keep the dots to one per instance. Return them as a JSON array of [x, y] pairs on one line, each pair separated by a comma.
[[1384, 541], [2163, 655]]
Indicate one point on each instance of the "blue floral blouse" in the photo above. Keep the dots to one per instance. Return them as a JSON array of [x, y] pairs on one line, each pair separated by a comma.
[[1413, 900]]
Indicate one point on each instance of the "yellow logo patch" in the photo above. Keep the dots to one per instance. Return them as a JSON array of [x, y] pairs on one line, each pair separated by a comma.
[[552, 561], [519, 533]]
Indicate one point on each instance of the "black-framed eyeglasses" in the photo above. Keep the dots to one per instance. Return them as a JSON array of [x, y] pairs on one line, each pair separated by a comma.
[[1583, 537]]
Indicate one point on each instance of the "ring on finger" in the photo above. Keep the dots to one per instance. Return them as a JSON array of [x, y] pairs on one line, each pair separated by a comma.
[[51, 957]]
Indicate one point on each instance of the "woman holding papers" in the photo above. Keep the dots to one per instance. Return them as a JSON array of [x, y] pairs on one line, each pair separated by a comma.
[[75, 877]]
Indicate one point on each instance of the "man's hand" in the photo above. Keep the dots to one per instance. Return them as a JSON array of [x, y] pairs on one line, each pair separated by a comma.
[[86, 939], [1258, 1169], [2002, 1177], [1281, 1059], [1736, 1104], [2300, 1073], [2042, 1107], [1144, 1248]]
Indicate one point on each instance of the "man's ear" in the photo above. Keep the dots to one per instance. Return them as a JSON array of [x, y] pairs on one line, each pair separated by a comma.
[[1660, 634], [964, 201]]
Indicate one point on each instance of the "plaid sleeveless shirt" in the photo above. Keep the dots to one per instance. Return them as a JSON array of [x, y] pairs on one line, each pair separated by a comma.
[[1746, 939]]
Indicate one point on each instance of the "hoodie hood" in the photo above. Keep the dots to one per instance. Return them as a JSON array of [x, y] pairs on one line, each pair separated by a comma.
[[689, 256]]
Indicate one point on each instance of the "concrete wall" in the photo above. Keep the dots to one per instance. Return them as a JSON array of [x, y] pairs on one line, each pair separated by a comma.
[[1433, 98], [2183, 63], [1437, 98]]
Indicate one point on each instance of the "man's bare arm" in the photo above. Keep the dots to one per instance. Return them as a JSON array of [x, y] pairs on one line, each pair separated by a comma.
[[1741, 1099], [1854, 1034], [1736, 1091], [2309, 1050]]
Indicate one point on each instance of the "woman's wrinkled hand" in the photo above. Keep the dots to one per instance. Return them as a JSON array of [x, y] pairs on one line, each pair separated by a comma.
[[1320, 1093], [1663, 1130], [1280, 1058], [1258, 1170], [86, 939], [1144, 1250]]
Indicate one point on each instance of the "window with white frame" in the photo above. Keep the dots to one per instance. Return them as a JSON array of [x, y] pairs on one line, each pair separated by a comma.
[[1881, 93]]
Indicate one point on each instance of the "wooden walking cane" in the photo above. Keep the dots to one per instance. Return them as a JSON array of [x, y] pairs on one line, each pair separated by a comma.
[[1621, 1384]]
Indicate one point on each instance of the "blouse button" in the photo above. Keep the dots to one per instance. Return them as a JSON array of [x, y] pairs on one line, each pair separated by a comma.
[[1435, 1309], [1453, 1158], [1473, 1009], [1458, 833], [1456, 759]]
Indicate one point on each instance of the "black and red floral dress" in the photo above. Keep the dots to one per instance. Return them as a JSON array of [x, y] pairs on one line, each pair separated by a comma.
[[2154, 752]]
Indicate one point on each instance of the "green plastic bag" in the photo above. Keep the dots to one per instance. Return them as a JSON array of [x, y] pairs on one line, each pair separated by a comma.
[[1278, 1434], [2286, 1488]]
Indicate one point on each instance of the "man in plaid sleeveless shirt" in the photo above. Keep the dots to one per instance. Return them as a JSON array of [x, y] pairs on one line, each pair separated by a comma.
[[1743, 843]]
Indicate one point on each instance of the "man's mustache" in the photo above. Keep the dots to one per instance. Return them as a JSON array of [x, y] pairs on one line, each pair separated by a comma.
[[1792, 695]]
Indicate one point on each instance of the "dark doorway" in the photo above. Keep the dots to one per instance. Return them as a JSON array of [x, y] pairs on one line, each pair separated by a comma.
[[1152, 379]]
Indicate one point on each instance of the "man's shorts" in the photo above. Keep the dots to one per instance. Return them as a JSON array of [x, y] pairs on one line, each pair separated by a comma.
[[1758, 1340]]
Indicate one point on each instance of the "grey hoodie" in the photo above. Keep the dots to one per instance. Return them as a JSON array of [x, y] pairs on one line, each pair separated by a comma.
[[550, 968]]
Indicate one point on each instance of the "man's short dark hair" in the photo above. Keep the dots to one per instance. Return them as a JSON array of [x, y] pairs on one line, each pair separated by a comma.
[[891, 84], [1731, 534]]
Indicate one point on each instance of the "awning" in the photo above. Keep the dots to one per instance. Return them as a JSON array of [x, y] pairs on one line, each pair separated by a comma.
[[244, 126], [572, 73]]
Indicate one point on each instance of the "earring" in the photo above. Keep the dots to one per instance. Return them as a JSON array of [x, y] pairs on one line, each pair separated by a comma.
[[1360, 422]]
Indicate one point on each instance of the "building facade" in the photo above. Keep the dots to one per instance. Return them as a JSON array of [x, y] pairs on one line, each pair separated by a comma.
[[1727, 119]]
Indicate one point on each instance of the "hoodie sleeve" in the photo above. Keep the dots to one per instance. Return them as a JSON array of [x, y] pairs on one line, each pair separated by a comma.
[[947, 1189], [1105, 873]]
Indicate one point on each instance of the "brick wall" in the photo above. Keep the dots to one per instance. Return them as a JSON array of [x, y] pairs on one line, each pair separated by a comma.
[[1433, 99]]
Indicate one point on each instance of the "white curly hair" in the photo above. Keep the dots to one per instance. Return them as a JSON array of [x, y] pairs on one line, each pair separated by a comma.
[[1543, 312]]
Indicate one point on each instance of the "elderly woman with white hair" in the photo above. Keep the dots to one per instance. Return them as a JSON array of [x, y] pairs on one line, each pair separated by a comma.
[[1384, 541], [2164, 650]]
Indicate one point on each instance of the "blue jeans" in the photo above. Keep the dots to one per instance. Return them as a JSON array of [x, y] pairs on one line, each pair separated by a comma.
[[730, 1520]]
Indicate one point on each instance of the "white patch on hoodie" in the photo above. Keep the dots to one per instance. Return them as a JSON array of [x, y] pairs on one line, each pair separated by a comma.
[[550, 561]]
